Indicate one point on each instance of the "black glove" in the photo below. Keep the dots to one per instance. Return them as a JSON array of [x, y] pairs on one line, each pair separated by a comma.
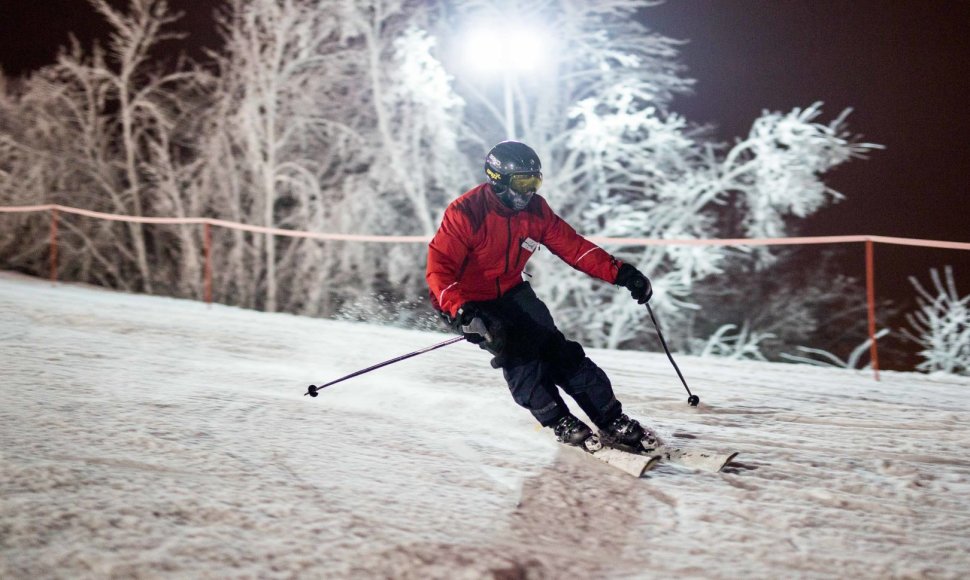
[[470, 322], [634, 280], [480, 327]]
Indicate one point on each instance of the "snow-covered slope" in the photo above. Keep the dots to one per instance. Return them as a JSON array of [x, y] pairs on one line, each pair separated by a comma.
[[152, 437]]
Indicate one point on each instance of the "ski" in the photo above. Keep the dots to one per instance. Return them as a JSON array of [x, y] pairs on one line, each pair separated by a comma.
[[654, 447], [635, 464], [692, 458]]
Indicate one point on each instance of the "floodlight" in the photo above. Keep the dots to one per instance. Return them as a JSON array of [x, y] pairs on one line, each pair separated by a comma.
[[506, 48]]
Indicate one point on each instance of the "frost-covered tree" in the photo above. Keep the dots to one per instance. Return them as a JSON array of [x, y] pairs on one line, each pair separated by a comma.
[[96, 122], [278, 75], [410, 120], [336, 118], [23, 178], [941, 325], [773, 174]]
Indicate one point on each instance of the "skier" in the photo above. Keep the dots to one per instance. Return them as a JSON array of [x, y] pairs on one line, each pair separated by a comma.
[[475, 265]]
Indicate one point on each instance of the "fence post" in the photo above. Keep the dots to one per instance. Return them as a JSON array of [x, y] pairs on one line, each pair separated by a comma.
[[53, 246], [207, 244], [871, 301]]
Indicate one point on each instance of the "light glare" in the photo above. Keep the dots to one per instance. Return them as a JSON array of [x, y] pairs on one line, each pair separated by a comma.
[[514, 49]]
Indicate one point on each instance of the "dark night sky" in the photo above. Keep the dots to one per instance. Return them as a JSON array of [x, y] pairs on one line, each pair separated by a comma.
[[903, 66]]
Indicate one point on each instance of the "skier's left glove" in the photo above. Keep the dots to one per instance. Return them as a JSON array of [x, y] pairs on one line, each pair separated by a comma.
[[634, 281]]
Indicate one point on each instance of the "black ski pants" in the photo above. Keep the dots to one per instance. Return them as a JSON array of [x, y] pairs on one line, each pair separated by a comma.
[[537, 358]]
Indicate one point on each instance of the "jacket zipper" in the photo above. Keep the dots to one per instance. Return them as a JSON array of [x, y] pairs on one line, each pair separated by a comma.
[[508, 251], [518, 255]]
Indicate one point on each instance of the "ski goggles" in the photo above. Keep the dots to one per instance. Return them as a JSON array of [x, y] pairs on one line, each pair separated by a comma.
[[525, 183]]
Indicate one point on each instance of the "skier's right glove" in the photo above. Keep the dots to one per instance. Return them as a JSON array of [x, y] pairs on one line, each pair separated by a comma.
[[634, 281], [470, 322], [481, 328]]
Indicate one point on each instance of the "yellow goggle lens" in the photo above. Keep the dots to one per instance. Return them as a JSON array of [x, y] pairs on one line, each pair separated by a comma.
[[526, 183]]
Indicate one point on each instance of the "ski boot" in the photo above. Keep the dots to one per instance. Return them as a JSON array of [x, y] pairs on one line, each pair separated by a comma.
[[627, 434], [571, 431]]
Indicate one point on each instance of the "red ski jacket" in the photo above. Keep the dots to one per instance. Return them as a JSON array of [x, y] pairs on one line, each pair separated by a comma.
[[481, 248]]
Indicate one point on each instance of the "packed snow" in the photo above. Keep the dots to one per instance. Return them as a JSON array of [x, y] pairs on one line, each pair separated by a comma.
[[153, 437]]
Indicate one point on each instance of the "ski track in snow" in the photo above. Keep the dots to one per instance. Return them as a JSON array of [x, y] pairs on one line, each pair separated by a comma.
[[149, 437]]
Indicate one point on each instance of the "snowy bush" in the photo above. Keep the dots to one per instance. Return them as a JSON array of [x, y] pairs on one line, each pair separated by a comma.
[[743, 344], [798, 298], [941, 326], [827, 359]]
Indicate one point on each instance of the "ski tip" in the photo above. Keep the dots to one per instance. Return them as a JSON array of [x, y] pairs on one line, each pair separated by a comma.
[[654, 461], [727, 459]]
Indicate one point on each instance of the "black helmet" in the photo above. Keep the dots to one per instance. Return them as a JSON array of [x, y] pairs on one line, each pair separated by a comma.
[[515, 172]]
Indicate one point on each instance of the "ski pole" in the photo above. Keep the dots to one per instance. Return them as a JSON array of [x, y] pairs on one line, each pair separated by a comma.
[[312, 390], [692, 400]]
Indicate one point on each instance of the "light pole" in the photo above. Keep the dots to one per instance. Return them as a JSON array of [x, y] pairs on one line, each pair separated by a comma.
[[509, 107]]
